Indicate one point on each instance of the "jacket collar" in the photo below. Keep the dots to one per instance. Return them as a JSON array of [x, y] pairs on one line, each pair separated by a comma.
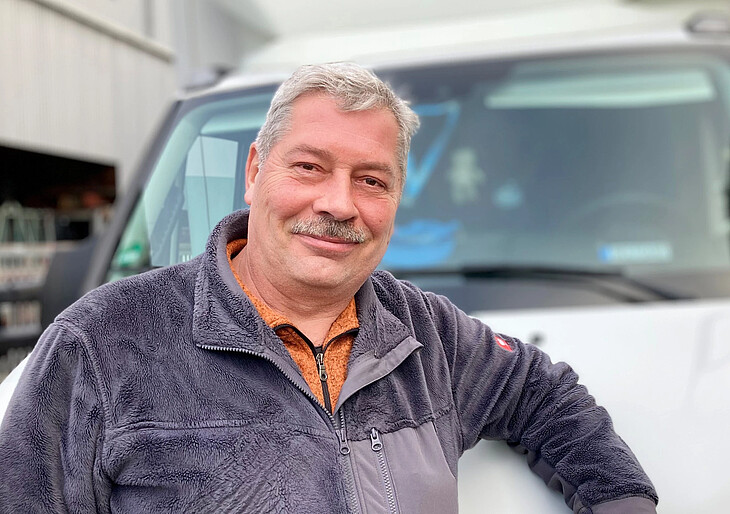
[[224, 317]]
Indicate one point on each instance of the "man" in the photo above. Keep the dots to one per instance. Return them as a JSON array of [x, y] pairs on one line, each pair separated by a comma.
[[278, 372]]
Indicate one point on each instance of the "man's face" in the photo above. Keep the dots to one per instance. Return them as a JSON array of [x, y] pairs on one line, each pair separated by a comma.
[[324, 202]]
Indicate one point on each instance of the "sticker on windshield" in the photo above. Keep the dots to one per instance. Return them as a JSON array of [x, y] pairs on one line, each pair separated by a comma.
[[636, 252], [508, 196], [465, 176]]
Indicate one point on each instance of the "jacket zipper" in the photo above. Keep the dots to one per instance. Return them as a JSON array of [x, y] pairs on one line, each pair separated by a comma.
[[353, 503], [339, 428], [319, 357], [376, 444], [318, 352]]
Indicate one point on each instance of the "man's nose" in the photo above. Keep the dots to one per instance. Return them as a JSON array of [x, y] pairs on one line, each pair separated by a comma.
[[336, 197]]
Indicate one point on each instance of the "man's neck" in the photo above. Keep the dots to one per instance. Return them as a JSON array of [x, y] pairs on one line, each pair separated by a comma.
[[312, 317]]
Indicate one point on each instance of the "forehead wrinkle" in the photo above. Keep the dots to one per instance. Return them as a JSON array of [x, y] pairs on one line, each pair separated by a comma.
[[375, 166], [313, 150]]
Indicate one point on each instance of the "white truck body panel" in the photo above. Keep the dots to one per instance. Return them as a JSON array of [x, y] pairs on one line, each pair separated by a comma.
[[662, 372]]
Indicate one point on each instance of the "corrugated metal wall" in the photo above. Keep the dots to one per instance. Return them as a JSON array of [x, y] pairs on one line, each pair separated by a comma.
[[79, 86]]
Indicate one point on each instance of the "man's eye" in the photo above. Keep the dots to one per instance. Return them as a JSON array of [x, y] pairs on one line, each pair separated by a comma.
[[307, 166], [373, 182]]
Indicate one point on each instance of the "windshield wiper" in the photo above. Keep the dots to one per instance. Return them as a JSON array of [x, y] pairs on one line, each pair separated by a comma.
[[612, 283]]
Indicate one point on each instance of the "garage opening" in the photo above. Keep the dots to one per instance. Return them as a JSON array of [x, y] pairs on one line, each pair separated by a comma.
[[60, 198], [50, 205]]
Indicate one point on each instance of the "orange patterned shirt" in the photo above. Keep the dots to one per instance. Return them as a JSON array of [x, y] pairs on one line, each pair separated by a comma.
[[336, 347]]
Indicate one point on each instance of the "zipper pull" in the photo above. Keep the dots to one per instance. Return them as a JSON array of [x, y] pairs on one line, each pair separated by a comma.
[[320, 366], [344, 447], [342, 435], [375, 443]]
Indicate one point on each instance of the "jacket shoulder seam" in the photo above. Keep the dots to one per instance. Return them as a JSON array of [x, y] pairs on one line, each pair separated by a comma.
[[91, 356]]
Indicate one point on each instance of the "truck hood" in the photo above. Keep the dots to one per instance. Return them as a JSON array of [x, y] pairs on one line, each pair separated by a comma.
[[662, 370]]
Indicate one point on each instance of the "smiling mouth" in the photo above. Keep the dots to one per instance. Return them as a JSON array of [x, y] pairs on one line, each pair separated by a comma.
[[327, 239], [324, 243], [329, 247]]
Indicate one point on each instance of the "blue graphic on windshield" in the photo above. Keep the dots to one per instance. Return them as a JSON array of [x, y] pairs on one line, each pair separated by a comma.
[[420, 171], [421, 243]]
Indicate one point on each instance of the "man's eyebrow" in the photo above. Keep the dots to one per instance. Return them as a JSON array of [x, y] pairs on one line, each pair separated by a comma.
[[376, 166], [329, 156], [312, 150]]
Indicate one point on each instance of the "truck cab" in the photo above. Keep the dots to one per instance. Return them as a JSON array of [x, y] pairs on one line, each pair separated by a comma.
[[573, 193]]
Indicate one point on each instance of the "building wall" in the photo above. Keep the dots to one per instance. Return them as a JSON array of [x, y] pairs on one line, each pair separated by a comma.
[[88, 79], [150, 18], [212, 37]]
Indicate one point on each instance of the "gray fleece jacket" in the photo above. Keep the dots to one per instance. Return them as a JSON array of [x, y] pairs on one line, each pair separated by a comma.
[[166, 392]]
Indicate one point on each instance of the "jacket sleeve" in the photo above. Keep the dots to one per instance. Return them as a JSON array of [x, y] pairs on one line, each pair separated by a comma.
[[50, 437], [504, 389]]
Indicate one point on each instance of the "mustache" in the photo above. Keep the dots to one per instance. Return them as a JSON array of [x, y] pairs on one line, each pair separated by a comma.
[[324, 226]]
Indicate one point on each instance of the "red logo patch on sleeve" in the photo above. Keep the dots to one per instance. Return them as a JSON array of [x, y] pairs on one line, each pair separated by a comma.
[[502, 343]]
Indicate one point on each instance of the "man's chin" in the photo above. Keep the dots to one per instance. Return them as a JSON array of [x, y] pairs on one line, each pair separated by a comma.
[[324, 274]]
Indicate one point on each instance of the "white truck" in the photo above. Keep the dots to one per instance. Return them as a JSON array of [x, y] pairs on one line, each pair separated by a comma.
[[570, 191]]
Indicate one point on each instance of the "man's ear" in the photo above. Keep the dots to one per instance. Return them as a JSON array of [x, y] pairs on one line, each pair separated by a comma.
[[252, 171]]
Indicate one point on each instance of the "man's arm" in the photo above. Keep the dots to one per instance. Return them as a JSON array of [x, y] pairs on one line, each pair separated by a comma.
[[50, 437], [504, 389]]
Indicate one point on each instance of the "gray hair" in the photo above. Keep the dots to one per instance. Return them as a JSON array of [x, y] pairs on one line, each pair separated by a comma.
[[353, 87]]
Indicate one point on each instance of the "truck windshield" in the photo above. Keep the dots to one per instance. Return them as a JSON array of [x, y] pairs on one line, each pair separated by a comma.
[[603, 162]]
